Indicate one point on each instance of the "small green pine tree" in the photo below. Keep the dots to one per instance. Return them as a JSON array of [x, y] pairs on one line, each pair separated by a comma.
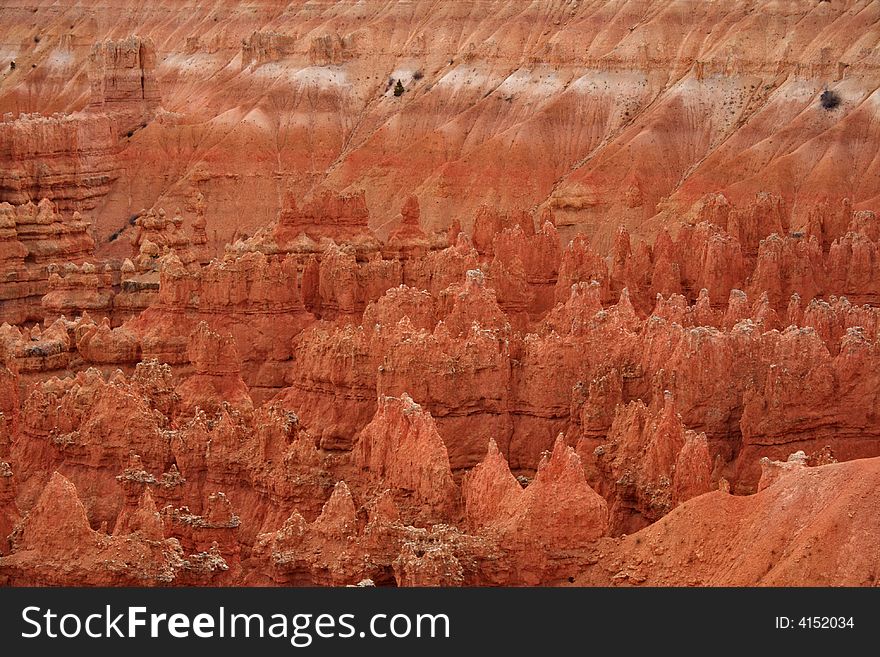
[[398, 89]]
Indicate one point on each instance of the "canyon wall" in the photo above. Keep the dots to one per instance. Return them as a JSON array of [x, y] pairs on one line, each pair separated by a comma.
[[621, 112], [72, 158]]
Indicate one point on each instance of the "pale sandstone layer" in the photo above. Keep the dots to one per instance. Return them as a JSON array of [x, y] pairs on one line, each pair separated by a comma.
[[619, 112]]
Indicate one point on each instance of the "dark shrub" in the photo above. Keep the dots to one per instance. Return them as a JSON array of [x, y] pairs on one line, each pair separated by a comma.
[[829, 99]]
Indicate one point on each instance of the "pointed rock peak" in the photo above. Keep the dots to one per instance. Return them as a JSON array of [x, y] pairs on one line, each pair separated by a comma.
[[587, 295], [559, 446], [474, 301], [624, 311], [339, 515], [146, 504], [417, 422], [58, 520], [737, 307], [673, 309], [762, 304], [801, 345], [666, 436], [549, 229], [737, 296], [496, 463], [764, 314], [405, 325], [62, 490], [668, 408], [145, 519], [410, 210], [293, 530], [401, 445], [626, 412], [795, 310], [855, 343], [693, 468], [561, 459], [579, 244], [622, 245], [559, 507], [491, 493]]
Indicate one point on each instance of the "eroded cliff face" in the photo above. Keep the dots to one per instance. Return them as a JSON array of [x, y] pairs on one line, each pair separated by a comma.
[[621, 112], [34, 238], [590, 301], [73, 157]]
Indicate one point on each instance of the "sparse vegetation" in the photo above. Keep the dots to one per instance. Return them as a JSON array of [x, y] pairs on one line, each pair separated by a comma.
[[418, 75], [398, 89], [829, 99]]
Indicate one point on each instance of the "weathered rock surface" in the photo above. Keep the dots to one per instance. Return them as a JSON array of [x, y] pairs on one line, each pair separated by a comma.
[[73, 158], [32, 238], [462, 293], [788, 534]]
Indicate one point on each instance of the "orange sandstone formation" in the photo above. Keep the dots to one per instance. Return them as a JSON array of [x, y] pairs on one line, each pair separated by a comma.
[[592, 300], [216, 378], [33, 238], [402, 448]]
